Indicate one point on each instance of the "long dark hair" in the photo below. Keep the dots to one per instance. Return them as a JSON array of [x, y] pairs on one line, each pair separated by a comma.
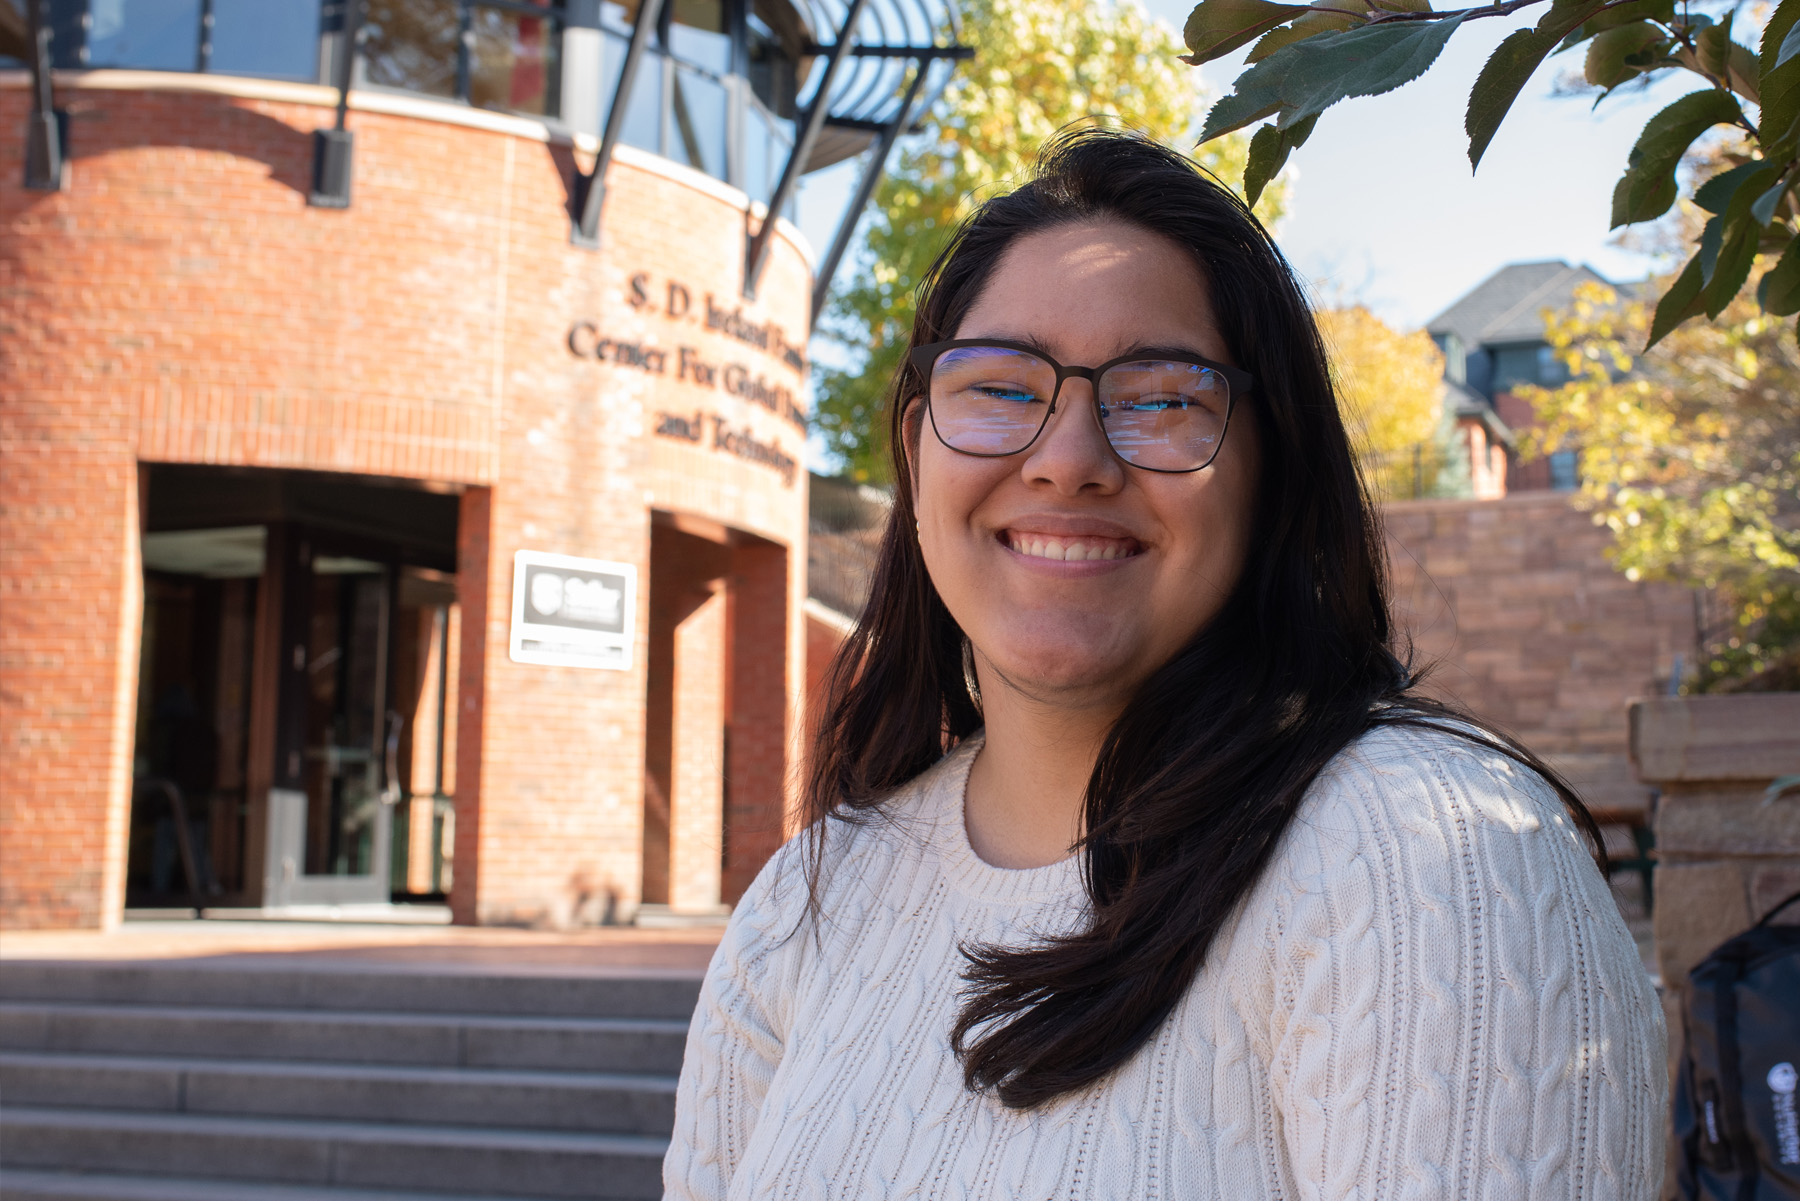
[[1201, 774]]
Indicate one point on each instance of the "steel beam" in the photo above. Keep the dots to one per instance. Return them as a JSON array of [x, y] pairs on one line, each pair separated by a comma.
[[46, 168], [803, 146], [592, 191], [865, 188], [333, 148]]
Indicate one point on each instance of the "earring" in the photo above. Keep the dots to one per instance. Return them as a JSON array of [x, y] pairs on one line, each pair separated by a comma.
[[918, 528], [970, 680]]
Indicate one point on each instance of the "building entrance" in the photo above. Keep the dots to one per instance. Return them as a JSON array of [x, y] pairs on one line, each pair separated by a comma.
[[715, 700], [293, 691], [330, 837]]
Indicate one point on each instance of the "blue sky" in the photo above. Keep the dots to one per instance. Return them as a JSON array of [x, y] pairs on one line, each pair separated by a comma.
[[1384, 209]]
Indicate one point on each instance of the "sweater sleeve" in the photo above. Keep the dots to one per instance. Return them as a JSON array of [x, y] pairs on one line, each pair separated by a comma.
[[736, 1037], [1454, 1008]]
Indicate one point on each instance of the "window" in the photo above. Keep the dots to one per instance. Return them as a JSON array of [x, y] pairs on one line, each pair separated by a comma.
[[500, 55], [156, 35], [701, 112], [775, 43], [412, 44], [276, 38], [1565, 470], [513, 62], [1551, 371], [1514, 365]]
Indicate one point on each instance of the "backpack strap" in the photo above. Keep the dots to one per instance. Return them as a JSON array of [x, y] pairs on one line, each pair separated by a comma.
[[1764, 920], [1731, 1078]]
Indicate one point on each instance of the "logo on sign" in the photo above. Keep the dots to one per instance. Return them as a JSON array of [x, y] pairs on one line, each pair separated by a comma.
[[570, 612], [587, 600]]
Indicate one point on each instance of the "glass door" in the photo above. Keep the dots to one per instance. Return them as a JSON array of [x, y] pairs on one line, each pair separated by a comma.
[[330, 829]]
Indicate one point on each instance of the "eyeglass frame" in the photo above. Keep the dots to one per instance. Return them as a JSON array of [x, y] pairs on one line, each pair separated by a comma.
[[1237, 381]]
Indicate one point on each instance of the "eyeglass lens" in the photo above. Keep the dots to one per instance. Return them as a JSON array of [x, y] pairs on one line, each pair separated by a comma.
[[1165, 416]]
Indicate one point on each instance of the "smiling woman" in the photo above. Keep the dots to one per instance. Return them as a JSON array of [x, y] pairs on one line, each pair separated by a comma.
[[1136, 866]]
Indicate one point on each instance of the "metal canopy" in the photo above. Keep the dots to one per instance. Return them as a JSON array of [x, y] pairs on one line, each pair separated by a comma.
[[887, 62], [889, 39]]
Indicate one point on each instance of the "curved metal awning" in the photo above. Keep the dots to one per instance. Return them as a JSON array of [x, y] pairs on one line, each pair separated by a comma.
[[891, 40]]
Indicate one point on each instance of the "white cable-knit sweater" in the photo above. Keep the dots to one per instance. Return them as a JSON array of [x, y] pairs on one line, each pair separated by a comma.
[[1430, 994]]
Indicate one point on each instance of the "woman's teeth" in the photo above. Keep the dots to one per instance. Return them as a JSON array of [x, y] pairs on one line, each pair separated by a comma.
[[1071, 550]]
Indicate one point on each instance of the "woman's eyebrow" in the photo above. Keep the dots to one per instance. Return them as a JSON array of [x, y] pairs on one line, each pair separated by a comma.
[[1160, 351], [1134, 350]]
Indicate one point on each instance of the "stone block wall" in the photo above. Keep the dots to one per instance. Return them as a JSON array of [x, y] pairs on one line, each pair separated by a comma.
[[1522, 618]]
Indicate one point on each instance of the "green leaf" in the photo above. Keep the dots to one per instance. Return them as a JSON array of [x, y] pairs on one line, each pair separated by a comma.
[[1790, 46], [1715, 194], [1305, 79], [1713, 45], [1732, 265], [1625, 14], [1217, 27], [1308, 26], [1778, 82], [1779, 290], [1269, 151], [1511, 65], [1606, 57], [1712, 239], [1680, 302], [1647, 188], [1764, 208], [1729, 241]]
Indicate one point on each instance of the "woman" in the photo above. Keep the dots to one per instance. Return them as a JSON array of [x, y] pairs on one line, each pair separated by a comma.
[[1202, 901]]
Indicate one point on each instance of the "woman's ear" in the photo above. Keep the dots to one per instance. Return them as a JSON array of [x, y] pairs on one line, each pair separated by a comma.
[[912, 422]]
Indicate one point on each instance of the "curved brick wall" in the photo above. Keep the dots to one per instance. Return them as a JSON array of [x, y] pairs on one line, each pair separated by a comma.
[[181, 303]]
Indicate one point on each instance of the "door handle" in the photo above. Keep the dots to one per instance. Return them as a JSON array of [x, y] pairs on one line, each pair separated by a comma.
[[390, 792]]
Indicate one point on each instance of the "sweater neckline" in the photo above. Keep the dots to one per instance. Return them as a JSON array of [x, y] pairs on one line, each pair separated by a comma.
[[945, 798]]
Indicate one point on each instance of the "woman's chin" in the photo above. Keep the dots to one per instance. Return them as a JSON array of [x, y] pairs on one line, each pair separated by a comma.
[[1068, 672]]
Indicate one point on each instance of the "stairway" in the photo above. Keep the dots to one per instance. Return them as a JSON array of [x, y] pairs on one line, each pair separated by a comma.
[[214, 1080]]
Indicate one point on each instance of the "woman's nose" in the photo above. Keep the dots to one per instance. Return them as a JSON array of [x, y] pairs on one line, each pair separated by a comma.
[[1072, 454]]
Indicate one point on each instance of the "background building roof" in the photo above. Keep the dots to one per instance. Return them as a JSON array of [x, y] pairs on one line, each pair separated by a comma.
[[1508, 306]]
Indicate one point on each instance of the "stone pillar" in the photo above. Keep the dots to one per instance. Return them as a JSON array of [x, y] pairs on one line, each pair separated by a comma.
[[1724, 858], [756, 797], [473, 554], [696, 800]]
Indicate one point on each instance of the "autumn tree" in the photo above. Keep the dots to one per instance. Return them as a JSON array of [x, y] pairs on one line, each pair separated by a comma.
[[1390, 386], [1039, 65], [1304, 58], [1690, 454]]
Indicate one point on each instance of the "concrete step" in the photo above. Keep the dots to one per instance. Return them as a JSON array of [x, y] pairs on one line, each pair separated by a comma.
[[108, 1186], [644, 1045], [584, 1101], [450, 1159], [230, 984]]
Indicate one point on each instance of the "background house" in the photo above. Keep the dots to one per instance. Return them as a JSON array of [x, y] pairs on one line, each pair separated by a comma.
[[1493, 342]]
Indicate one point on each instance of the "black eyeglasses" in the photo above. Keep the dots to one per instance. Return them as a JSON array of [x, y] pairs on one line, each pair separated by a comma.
[[1158, 412]]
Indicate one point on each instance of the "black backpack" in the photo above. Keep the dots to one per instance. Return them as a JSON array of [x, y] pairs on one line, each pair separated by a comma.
[[1735, 1124]]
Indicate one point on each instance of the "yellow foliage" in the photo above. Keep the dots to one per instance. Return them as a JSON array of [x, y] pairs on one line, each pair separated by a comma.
[[1390, 388], [1690, 455]]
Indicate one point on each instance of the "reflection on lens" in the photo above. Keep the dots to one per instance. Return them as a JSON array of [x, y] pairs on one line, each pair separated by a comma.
[[989, 400], [1162, 415]]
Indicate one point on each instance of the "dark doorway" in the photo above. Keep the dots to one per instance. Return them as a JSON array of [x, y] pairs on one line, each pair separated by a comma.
[[277, 704]]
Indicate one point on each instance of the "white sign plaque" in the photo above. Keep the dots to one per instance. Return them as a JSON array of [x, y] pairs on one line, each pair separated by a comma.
[[569, 612]]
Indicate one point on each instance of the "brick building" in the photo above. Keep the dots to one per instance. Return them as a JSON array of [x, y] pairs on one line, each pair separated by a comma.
[[378, 516]]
